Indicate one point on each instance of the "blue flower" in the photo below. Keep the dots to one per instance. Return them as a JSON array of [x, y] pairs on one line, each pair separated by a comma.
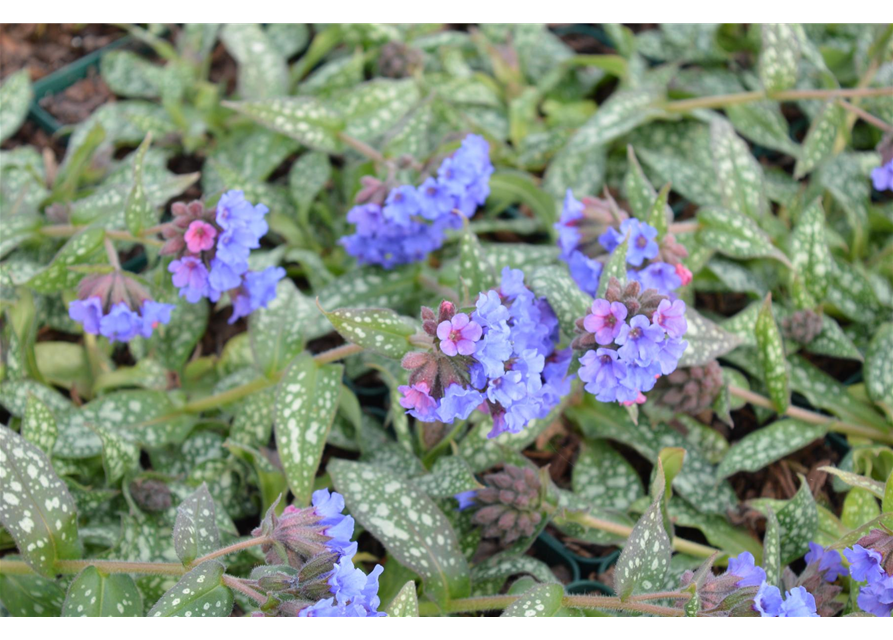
[[586, 272], [669, 351], [355, 595], [602, 372], [768, 601], [466, 499], [221, 278], [401, 205], [458, 403], [234, 211], [882, 177], [641, 241], [660, 276], [639, 340], [829, 561], [120, 324], [338, 526], [865, 564], [798, 603], [744, 567], [435, 200], [512, 283], [568, 233], [191, 276], [88, 312], [154, 314], [876, 598]]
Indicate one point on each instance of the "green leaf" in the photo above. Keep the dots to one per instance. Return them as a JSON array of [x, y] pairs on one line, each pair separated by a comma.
[[405, 604], [554, 283], [887, 504], [798, 521], [763, 123], [407, 523], [263, 72], [175, 342], [380, 330], [771, 357], [516, 187], [372, 108], [646, 555], [772, 549], [855, 480], [39, 425], [615, 267], [639, 192], [779, 57], [819, 141], [307, 178], [706, 340], [809, 250], [732, 234], [660, 215], [542, 601], [306, 403], [79, 249], [879, 368], [96, 595], [859, 507], [764, 446], [276, 337], [305, 119], [120, 455], [138, 212], [449, 476], [30, 596], [195, 530], [15, 97], [716, 528], [35, 506], [198, 594], [604, 477], [477, 274], [738, 173], [368, 287]]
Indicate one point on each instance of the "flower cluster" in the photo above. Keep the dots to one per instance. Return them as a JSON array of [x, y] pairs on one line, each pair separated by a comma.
[[797, 603], [882, 176], [500, 358], [868, 565], [317, 541], [117, 307], [630, 338], [212, 248], [589, 231], [408, 223]]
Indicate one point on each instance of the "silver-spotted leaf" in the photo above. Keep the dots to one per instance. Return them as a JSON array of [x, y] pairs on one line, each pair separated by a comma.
[[198, 594], [380, 330], [305, 119], [15, 96], [556, 285], [779, 57], [809, 250], [541, 601], [879, 368], [138, 211], [764, 446], [195, 530], [706, 340], [263, 71], [798, 521], [735, 235], [770, 350], [276, 335], [772, 549], [738, 173], [819, 141], [605, 478], [39, 425], [615, 267], [93, 594], [405, 604]]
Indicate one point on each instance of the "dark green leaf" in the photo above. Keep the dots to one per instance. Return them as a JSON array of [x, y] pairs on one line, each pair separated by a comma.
[[772, 358], [195, 530], [198, 594], [542, 601], [96, 595], [276, 337], [405, 604], [768, 444], [381, 330]]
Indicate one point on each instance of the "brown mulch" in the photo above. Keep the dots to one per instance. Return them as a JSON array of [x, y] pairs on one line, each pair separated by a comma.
[[45, 48], [78, 101]]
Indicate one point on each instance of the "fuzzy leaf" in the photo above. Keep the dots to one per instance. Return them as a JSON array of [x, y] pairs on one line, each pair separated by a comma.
[[739, 174], [541, 601], [450, 475], [405, 604], [39, 425], [79, 249], [855, 480], [859, 507], [798, 521], [198, 594], [779, 57], [879, 368], [263, 72], [372, 108], [819, 141], [639, 191], [615, 267], [35, 506], [30, 596], [15, 97], [276, 337], [772, 549], [120, 455], [646, 555], [477, 274], [138, 212], [764, 446], [706, 340], [732, 234], [380, 330], [195, 530], [308, 176], [771, 357], [604, 477], [305, 119], [306, 403], [516, 187], [96, 595], [407, 523], [809, 250]]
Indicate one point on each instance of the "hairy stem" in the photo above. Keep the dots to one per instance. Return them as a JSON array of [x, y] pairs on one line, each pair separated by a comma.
[[684, 227], [867, 117], [19, 567], [609, 602], [812, 417], [338, 353], [233, 548], [496, 603], [68, 230], [237, 585], [362, 148], [111, 253], [433, 285], [718, 102]]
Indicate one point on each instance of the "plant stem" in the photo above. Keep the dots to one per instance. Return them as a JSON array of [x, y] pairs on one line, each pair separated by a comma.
[[234, 583], [338, 353], [362, 148], [679, 544], [814, 418], [608, 602], [233, 548], [111, 253], [684, 227], [495, 603], [19, 567], [432, 284], [867, 117], [717, 102]]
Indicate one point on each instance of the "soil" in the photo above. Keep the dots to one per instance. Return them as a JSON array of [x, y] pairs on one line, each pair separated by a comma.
[[78, 101], [45, 48]]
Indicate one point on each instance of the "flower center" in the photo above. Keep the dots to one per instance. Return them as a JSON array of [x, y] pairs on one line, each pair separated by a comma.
[[635, 333], [642, 241], [455, 335]]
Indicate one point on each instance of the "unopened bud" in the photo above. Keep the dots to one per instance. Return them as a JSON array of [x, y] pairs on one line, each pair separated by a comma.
[[150, 495], [692, 389], [802, 326]]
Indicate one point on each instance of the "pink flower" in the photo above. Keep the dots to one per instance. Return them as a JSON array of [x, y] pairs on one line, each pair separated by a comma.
[[605, 321], [639, 400], [670, 316], [683, 273], [199, 236], [418, 401], [458, 335]]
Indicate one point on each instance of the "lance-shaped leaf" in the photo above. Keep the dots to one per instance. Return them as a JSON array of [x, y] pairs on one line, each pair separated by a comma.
[[305, 119], [809, 250], [306, 403], [35, 506], [798, 521], [859, 507], [373, 108], [380, 330], [195, 530], [772, 549], [764, 446], [138, 212], [96, 595], [605, 478], [407, 523], [735, 235], [263, 71], [615, 267], [659, 216], [706, 340], [779, 57], [175, 342], [879, 368], [763, 123], [78, 250], [477, 274], [738, 173], [645, 558], [541, 601], [639, 191], [450, 475], [405, 604], [770, 350], [556, 285], [30, 595], [856, 480], [198, 594], [39, 425], [15, 95], [120, 455], [819, 141], [276, 336], [308, 176]]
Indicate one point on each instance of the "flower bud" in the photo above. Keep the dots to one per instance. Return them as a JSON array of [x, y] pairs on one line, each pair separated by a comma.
[[802, 326], [509, 504], [690, 390], [150, 495]]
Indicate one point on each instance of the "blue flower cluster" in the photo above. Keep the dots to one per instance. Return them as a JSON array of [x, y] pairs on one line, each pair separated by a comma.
[[412, 221], [507, 362], [214, 257], [121, 323], [876, 597], [882, 176], [586, 266], [768, 602], [354, 594], [632, 355]]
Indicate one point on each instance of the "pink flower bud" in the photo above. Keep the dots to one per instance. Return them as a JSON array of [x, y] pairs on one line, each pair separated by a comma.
[[199, 236], [683, 273]]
